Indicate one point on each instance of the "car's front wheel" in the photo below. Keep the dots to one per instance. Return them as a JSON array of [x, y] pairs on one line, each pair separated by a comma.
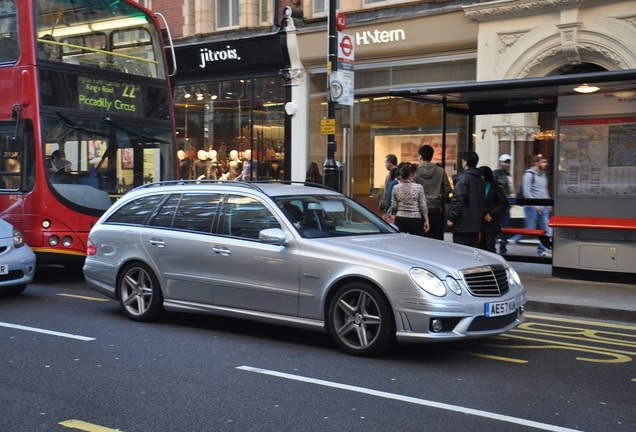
[[139, 293], [361, 321], [13, 291]]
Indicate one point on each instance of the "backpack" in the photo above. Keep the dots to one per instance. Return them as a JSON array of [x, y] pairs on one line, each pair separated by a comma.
[[520, 194]]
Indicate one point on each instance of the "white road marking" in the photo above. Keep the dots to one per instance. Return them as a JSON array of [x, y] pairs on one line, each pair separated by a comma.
[[49, 332], [417, 401]]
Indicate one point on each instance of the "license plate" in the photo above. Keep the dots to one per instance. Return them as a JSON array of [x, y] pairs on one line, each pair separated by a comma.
[[499, 308], [4, 269]]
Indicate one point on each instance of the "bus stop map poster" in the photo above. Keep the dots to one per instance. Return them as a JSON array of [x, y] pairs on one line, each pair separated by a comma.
[[597, 156]]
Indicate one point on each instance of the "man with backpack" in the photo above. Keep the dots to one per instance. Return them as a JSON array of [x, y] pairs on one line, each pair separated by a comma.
[[534, 185], [437, 188]]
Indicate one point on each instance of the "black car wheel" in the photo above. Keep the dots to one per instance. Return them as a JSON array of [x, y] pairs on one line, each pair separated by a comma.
[[139, 293], [361, 321], [12, 291]]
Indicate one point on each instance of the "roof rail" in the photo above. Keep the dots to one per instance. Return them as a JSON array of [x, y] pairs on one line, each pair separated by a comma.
[[249, 184], [194, 181]]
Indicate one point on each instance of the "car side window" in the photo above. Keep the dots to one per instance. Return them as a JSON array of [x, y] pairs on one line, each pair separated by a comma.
[[165, 215], [245, 217], [136, 212], [196, 212]]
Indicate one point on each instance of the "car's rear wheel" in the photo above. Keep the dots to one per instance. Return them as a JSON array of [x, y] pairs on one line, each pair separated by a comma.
[[139, 293], [361, 321]]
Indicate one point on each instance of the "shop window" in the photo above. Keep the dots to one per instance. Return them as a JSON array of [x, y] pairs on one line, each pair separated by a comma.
[[234, 124]]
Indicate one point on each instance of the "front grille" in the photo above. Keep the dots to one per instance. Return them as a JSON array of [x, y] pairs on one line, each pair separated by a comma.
[[487, 281], [12, 275], [482, 323]]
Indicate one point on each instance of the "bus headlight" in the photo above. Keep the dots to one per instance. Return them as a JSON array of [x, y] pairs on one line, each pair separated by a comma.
[[54, 240], [67, 241]]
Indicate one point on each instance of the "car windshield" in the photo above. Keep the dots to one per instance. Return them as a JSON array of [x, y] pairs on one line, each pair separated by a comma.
[[330, 216]]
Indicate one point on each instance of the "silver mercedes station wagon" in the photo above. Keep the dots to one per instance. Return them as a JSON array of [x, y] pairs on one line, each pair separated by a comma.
[[297, 255]]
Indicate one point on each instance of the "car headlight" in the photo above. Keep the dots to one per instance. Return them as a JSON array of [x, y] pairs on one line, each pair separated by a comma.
[[454, 285], [428, 282], [513, 275], [18, 240]]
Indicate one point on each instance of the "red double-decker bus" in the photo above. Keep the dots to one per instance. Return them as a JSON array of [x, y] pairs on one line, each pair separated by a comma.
[[85, 115]]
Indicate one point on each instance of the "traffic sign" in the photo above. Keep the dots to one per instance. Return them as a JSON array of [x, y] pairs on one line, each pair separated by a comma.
[[341, 21], [345, 48]]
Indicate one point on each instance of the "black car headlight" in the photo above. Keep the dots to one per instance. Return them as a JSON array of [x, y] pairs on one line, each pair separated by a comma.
[[18, 240]]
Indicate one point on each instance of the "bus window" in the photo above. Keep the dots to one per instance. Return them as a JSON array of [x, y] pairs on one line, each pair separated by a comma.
[[85, 50], [133, 52], [12, 140], [114, 37], [9, 47], [102, 159]]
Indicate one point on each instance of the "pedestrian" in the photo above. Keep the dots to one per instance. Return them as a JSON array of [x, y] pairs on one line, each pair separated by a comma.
[[393, 180], [437, 188], [495, 205], [504, 180], [390, 162], [535, 185], [467, 204], [408, 203], [313, 174]]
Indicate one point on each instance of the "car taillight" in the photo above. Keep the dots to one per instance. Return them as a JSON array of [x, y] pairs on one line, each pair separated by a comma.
[[90, 248]]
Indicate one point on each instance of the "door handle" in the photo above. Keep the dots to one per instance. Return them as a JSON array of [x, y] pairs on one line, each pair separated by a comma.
[[221, 250], [157, 242]]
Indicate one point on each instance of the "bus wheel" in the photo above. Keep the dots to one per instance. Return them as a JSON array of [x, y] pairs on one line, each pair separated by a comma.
[[360, 320], [139, 293]]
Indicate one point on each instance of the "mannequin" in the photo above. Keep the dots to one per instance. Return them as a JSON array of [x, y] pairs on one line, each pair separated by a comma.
[[233, 166], [214, 167], [185, 165], [249, 167], [201, 166]]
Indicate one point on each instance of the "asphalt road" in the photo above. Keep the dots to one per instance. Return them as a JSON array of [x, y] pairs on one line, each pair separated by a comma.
[[70, 360]]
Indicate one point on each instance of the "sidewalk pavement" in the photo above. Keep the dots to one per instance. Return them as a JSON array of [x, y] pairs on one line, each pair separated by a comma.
[[597, 300], [606, 301]]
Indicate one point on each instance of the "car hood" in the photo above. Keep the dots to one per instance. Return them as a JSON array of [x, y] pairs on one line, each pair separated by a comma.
[[443, 258]]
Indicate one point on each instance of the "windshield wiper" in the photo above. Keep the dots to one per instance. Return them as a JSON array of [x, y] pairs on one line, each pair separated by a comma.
[[70, 123], [147, 138]]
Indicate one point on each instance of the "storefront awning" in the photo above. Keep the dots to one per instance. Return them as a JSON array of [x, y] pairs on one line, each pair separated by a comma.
[[523, 94]]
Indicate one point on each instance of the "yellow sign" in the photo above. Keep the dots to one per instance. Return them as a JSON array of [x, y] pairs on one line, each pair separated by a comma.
[[328, 127]]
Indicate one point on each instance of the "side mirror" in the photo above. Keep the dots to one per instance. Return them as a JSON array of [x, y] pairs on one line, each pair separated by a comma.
[[274, 236]]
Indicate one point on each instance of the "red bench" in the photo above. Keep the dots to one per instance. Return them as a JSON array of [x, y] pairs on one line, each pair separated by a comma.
[[524, 231], [583, 222]]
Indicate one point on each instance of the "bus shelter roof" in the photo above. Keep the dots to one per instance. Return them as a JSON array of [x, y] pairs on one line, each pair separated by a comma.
[[522, 94]]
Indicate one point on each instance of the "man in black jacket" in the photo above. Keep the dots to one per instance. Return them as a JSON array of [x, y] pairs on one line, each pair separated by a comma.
[[467, 205]]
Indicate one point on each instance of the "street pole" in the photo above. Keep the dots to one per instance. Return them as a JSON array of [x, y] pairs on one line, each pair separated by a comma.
[[330, 169]]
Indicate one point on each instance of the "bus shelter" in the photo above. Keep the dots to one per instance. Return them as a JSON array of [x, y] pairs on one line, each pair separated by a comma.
[[585, 125]]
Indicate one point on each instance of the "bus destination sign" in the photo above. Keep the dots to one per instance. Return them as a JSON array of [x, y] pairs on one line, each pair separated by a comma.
[[99, 94]]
